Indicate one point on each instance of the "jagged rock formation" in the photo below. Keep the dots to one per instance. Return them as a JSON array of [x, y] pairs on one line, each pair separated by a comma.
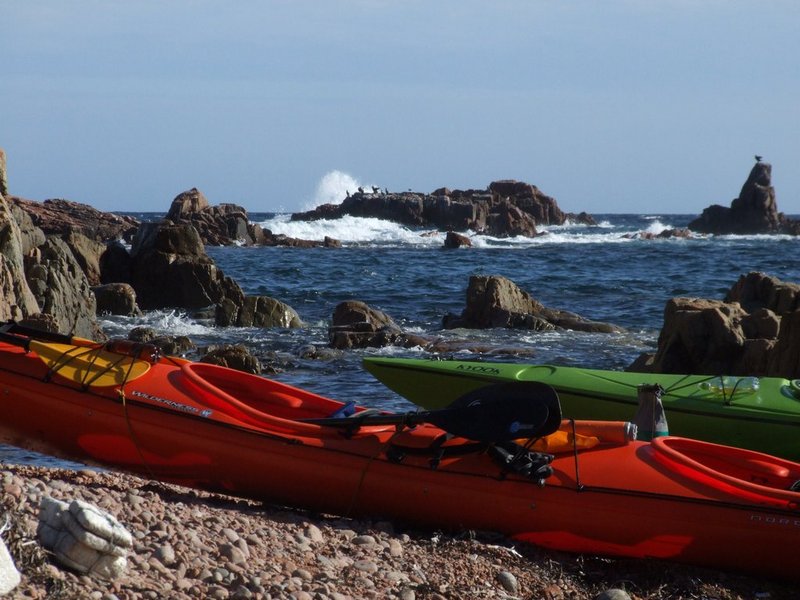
[[62, 290], [754, 330], [754, 211], [60, 217], [163, 252], [495, 301], [16, 299], [220, 225], [228, 224], [505, 208]]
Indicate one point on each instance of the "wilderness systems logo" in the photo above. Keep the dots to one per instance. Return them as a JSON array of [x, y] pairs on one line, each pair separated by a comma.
[[481, 369], [174, 405], [774, 520]]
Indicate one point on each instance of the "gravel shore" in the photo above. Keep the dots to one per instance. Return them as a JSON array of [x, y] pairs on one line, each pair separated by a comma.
[[190, 544]]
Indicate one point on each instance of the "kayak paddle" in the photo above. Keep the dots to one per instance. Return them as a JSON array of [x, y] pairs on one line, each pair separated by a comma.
[[495, 413]]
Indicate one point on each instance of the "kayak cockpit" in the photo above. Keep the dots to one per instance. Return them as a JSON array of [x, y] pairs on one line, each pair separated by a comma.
[[744, 473], [255, 400]]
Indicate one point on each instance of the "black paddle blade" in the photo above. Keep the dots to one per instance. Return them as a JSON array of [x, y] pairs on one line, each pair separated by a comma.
[[500, 412]]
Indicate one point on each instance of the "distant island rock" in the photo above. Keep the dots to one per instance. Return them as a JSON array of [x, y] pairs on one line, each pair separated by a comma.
[[754, 211], [506, 208]]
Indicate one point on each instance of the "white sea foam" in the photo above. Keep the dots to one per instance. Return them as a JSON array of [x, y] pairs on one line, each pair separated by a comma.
[[163, 321], [656, 227], [353, 230], [333, 188], [358, 230]]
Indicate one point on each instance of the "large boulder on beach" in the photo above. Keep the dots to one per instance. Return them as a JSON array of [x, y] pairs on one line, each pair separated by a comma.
[[754, 330], [495, 301], [754, 211]]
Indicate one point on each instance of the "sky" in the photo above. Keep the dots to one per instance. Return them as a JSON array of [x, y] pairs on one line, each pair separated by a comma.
[[619, 106]]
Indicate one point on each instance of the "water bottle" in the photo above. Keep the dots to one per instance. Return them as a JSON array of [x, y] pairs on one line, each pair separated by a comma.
[[731, 385]]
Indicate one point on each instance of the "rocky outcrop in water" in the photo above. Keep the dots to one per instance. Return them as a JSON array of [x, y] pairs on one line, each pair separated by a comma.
[[116, 299], [169, 268], [229, 224], [456, 240], [356, 325], [754, 330], [495, 301], [505, 208], [165, 252], [220, 225], [754, 211]]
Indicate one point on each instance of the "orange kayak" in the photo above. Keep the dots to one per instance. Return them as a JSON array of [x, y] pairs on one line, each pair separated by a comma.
[[121, 405]]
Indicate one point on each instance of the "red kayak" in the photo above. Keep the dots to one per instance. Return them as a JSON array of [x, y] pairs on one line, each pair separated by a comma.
[[566, 485]]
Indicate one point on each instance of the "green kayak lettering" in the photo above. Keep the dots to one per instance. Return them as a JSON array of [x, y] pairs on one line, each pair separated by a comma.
[[478, 369]]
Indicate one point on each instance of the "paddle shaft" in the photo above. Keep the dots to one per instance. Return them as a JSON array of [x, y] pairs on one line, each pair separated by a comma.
[[492, 414]]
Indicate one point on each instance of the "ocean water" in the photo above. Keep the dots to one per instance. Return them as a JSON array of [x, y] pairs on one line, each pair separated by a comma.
[[606, 273]]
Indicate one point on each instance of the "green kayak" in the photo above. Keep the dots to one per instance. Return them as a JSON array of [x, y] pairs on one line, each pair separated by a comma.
[[756, 413]]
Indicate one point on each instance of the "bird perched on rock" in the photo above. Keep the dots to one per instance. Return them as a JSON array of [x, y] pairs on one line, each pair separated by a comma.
[[758, 158]]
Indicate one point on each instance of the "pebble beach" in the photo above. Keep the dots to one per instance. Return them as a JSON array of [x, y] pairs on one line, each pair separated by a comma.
[[192, 544]]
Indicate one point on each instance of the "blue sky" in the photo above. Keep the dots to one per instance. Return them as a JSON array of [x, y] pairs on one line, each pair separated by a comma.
[[613, 106]]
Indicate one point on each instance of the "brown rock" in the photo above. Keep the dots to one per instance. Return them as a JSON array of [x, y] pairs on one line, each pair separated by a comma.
[[456, 240], [3, 175], [61, 217], [755, 330], [495, 301], [164, 252], [505, 208], [233, 356], [116, 299], [17, 301], [754, 211]]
